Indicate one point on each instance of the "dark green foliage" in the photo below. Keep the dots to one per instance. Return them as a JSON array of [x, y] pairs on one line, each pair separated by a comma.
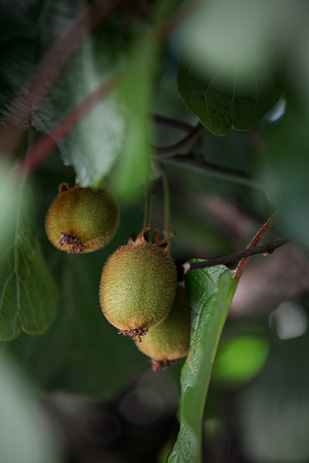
[[222, 103], [221, 190]]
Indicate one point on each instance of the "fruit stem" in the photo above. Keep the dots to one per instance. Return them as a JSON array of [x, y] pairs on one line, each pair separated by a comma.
[[167, 205], [148, 204]]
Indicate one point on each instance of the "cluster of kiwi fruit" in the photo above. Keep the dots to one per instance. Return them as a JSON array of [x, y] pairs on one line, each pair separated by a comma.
[[139, 293]]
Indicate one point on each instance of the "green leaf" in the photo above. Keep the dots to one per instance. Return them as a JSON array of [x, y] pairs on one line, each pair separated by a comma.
[[210, 291], [136, 94], [8, 204], [223, 103], [27, 291], [242, 35], [92, 147], [116, 126]]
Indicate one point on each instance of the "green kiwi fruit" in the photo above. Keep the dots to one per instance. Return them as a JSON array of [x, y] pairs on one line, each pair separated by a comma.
[[170, 341], [138, 285], [81, 219]]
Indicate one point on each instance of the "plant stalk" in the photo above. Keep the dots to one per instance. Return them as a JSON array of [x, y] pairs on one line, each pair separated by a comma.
[[167, 204]]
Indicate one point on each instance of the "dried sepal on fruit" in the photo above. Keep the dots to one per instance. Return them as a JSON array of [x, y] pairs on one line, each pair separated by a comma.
[[170, 341], [138, 285], [81, 219]]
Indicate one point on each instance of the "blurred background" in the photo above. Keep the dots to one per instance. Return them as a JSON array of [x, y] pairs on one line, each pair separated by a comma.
[[71, 389]]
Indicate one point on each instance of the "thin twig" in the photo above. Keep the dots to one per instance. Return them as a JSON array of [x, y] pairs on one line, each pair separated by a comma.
[[266, 248], [255, 240], [167, 204], [173, 123], [207, 168], [167, 151], [148, 204]]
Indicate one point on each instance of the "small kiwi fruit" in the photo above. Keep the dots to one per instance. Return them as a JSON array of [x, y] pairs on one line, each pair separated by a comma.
[[170, 341], [138, 285], [81, 219]]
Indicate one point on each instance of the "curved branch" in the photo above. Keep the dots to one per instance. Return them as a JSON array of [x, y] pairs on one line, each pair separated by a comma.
[[173, 123], [168, 151], [266, 248], [207, 168]]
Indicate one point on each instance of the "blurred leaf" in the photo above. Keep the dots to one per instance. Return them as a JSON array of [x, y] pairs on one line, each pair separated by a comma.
[[94, 144], [136, 95], [27, 290], [25, 435], [243, 36], [285, 167], [210, 291], [222, 104], [8, 204], [274, 409], [240, 358], [75, 354]]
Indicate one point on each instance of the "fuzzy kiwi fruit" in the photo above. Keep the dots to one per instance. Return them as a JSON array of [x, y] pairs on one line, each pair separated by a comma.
[[138, 285], [170, 341], [81, 219]]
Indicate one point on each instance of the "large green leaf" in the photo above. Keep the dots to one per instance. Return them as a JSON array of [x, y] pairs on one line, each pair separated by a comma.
[[210, 291], [27, 291], [223, 103], [136, 97], [94, 144]]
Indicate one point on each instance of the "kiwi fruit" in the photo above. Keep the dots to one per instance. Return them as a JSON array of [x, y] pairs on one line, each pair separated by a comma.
[[138, 285], [81, 219], [170, 340]]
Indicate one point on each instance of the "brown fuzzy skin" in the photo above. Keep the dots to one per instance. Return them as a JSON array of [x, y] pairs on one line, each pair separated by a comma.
[[170, 340], [81, 219], [138, 286]]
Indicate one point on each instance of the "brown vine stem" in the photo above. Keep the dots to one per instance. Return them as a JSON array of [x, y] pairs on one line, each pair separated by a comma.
[[255, 240], [48, 142], [48, 71], [148, 203], [203, 166], [167, 204], [173, 123], [266, 248], [188, 140]]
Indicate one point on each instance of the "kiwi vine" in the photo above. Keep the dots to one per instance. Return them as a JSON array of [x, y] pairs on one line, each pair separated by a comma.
[[137, 161]]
